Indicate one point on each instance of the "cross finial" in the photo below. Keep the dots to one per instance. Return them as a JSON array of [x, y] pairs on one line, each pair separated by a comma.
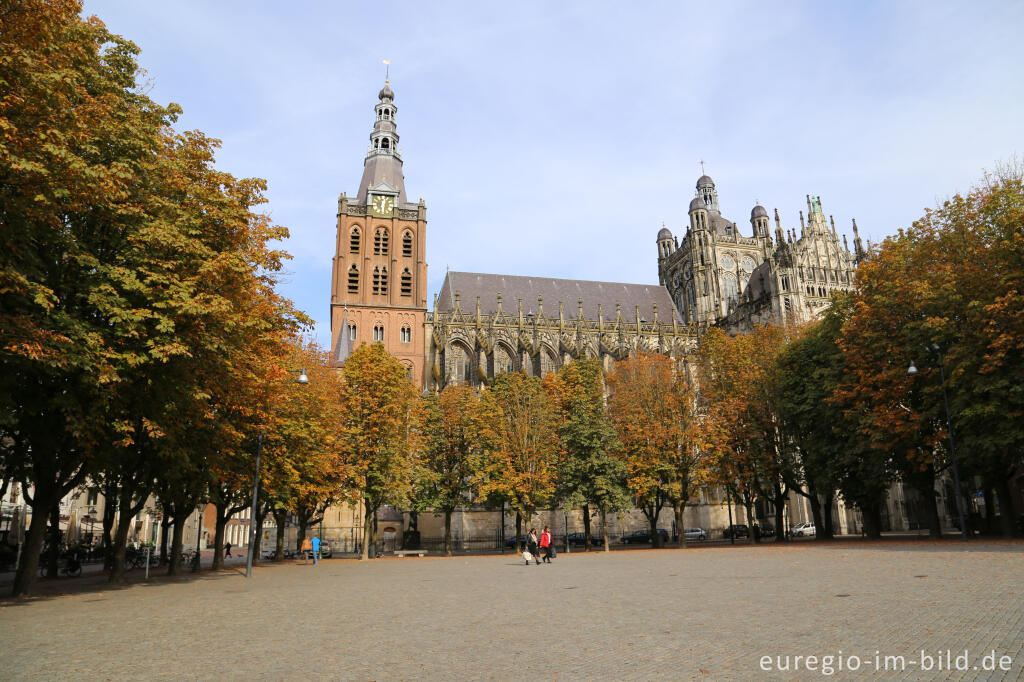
[[702, 166], [387, 70]]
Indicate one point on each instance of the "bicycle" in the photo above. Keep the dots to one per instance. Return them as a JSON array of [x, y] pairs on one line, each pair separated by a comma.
[[67, 563]]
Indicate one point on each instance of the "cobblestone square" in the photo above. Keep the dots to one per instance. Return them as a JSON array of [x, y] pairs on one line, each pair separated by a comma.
[[698, 613]]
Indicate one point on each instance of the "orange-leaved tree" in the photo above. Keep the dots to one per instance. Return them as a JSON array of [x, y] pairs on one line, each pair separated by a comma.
[[379, 431], [652, 406], [521, 435], [453, 430]]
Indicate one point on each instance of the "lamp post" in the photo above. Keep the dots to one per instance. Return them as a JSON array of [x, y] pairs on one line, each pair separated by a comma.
[[912, 370], [303, 379]]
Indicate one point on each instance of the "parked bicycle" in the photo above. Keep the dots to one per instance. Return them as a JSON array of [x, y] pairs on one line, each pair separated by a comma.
[[68, 563]]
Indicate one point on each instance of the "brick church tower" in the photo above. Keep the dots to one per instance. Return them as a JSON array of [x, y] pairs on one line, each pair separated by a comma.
[[379, 279]]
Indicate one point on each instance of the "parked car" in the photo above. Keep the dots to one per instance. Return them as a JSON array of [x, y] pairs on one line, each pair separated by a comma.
[[325, 551], [695, 534], [736, 530], [579, 540], [511, 542], [765, 530], [641, 537], [804, 529]]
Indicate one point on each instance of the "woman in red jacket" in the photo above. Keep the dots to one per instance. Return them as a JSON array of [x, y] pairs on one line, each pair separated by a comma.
[[545, 544]]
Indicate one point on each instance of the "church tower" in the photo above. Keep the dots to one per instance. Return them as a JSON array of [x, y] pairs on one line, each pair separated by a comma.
[[379, 278]]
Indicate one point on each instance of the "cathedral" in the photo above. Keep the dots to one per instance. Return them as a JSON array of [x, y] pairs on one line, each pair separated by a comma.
[[485, 324]]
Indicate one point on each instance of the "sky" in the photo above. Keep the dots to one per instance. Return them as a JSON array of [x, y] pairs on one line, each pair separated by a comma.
[[555, 139]]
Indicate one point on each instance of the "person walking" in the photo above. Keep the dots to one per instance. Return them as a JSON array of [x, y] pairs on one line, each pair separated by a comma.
[[306, 548], [227, 549], [532, 546], [316, 550], [545, 544]]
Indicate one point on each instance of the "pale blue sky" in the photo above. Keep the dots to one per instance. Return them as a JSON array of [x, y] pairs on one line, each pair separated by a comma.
[[555, 138]]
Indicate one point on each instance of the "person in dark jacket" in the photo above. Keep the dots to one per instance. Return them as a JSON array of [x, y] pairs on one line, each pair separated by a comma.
[[532, 546]]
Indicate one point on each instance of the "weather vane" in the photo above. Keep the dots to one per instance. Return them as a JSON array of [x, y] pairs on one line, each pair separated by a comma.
[[387, 70], [702, 166]]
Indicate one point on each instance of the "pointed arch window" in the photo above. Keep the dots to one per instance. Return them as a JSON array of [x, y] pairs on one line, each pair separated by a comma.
[[407, 245], [406, 282], [380, 281], [353, 240], [353, 280], [380, 242]]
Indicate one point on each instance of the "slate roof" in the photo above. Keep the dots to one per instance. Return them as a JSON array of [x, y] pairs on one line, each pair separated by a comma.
[[469, 285]]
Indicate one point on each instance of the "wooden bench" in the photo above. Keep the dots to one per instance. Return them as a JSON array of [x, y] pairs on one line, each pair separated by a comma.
[[407, 552]]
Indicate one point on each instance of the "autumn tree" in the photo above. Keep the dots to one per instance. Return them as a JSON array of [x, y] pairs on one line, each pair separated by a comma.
[[453, 430], [590, 477], [521, 432], [651, 404], [379, 414]]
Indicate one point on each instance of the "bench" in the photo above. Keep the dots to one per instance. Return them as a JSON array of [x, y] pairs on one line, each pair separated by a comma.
[[407, 552]]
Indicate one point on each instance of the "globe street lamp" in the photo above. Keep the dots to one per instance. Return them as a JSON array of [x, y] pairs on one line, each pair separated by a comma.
[[303, 379], [912, 370]]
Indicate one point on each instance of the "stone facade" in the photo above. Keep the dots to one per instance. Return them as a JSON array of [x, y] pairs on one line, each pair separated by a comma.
[[717, 276]]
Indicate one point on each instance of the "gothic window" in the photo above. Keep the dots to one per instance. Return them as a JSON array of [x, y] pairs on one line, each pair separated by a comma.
[[384, 144], [380, 281], [406, 335], [380, 242], [353, 241], [352, 332], [692, 293], [406, 282], [502, 361], [353, 280], [785, 283], [407, 244], [547, 363], [729, 286], [378, 332], [463, 365], [788, 305]]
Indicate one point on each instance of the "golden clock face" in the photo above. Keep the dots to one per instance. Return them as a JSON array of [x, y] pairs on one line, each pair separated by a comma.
[[383, 205]]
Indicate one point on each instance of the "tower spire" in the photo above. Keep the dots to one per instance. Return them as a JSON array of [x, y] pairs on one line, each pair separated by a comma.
[[382, 168]]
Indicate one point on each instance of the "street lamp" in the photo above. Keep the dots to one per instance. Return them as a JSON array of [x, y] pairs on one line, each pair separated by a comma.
[[912, 370], [303, 379]]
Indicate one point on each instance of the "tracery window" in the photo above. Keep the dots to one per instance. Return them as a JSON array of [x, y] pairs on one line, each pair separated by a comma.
[[353, 241], [407, 244], [380, 242], [406, 282]]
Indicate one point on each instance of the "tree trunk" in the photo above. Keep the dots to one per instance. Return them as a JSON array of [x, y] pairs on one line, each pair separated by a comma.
[[109, 512], [448, 532], [220, 522], [368, 515], [872, 515], [780, 519], [818, 515], [280, 518], [174, 566], [165, 525], [748, 505], [1005, 506], [25, 577], [303, 525], [652, 520], [925, 487], [519, 532], [124, 522], [604, 529], [53, 555], [586, 528], [679, 509]]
